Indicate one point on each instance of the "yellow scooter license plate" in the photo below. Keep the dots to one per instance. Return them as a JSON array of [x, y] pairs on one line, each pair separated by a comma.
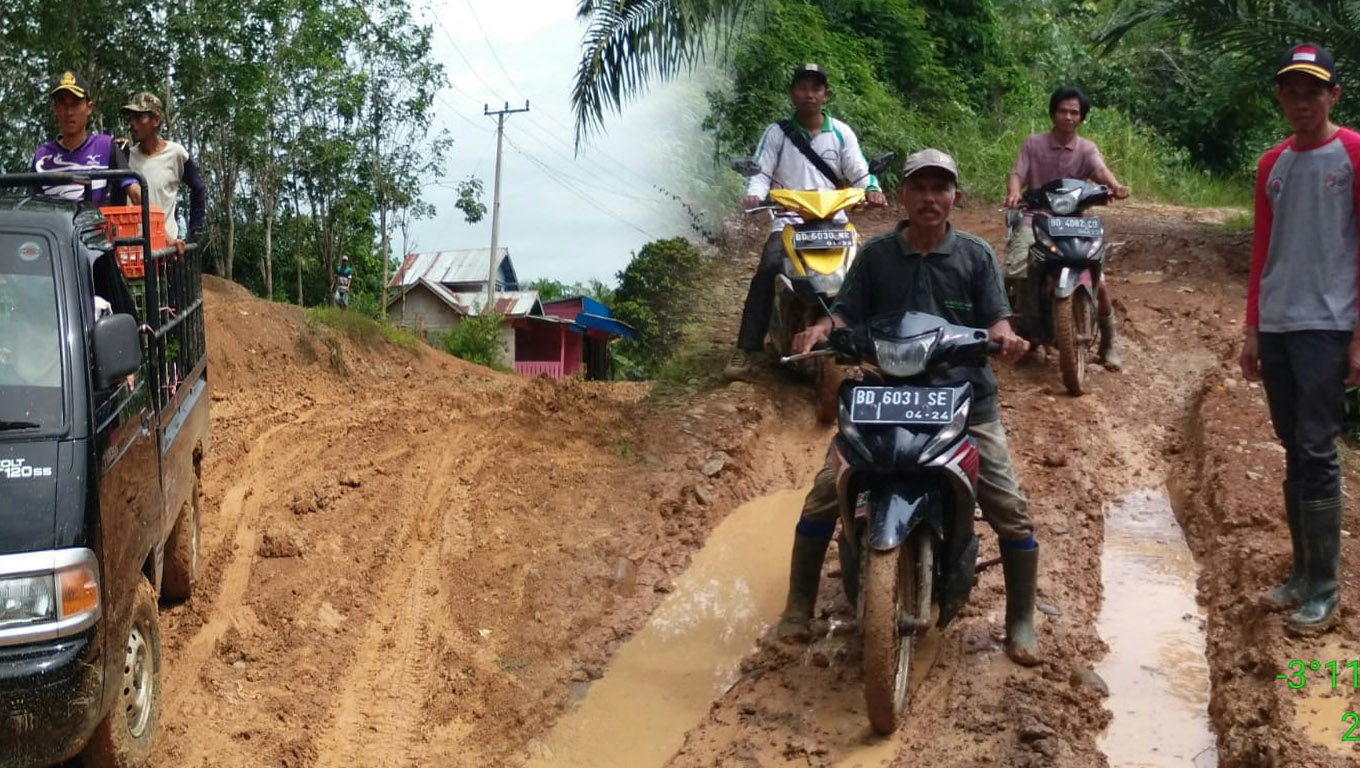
[[816, 239]]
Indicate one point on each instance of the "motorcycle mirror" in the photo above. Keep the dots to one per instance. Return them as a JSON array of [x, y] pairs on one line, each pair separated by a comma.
[[880, 164], [746, 167]]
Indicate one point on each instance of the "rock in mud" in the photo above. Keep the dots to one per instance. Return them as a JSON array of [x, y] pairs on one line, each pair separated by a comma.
[[350, 480], [705, 494], [714, 463], [1048, 609], [1032, 730], [625, 577], [1085, 677], [279, 541]]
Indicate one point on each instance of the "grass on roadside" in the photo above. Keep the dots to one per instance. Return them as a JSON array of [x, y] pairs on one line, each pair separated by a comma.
[[363, 329]]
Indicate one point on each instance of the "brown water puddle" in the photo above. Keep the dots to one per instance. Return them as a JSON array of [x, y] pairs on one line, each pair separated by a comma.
[[1156, 669], [1323, 708], [664, 679]]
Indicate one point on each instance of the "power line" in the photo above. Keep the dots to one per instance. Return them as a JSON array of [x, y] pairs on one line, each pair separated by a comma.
[[553, 175], [489, 47]]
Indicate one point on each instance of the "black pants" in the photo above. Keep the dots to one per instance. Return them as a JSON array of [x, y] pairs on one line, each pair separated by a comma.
[[755, 316], [1304, 373]]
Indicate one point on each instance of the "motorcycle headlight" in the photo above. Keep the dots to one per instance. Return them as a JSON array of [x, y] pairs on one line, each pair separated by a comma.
[[827, 284], [904, 358], [1064, 203]]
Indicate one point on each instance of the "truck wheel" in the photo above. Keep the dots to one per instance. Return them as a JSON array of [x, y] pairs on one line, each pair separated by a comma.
[[181, 552], [123, 739]]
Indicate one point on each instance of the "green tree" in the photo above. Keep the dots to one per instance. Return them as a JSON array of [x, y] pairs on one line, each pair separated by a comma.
[[631, 42], [656, 297]]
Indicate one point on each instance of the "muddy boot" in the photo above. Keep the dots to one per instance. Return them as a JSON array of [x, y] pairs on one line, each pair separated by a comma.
[[1021, 568], [739, 365], [1291, 593], [805, 574], [1321, 524], [1108, 355]]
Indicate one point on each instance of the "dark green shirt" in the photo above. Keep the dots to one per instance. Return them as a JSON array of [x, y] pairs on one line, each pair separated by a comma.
[[957, 280]]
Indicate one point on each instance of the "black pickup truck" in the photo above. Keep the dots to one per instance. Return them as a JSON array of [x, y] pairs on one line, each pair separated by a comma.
[[103, 427]]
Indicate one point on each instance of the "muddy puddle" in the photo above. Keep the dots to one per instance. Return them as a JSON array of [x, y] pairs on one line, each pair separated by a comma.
[[664, 679], [1156, 668]]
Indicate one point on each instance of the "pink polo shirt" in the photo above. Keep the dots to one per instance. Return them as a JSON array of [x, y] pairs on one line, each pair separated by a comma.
[[1042, 159]]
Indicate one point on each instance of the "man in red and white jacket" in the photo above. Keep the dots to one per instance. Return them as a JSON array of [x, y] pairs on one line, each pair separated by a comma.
[[1302, 310]]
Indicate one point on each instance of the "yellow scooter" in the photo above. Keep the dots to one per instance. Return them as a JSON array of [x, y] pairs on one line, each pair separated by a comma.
[[817, 255]]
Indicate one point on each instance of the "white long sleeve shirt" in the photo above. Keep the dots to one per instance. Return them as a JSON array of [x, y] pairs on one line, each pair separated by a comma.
[[836, 143]]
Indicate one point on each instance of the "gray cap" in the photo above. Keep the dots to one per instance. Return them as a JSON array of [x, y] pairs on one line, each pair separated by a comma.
[[930, 158]]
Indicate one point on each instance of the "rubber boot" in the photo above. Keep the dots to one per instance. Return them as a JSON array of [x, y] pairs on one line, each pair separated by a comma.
[[739, 365], [1291, 593], [1108, 353], [805, 575], [1021, 569], [1321, 524]]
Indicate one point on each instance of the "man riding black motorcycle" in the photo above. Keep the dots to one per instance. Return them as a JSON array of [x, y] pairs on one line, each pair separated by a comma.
[[928, 266], [811, 150], [1044, 157]]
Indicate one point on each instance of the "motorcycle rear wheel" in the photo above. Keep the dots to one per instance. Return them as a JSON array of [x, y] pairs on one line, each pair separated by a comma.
[[897, 585], [1074, 321]]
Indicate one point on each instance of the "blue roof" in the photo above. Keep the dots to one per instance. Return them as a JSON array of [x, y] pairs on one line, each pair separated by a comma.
[[604, 323]]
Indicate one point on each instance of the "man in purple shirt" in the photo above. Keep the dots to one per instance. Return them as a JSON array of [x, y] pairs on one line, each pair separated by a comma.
[[1060, 154], [75, 149]]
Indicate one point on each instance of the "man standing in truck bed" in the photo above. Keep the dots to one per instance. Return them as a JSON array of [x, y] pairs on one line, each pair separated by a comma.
[[76, 149], [164, 164]]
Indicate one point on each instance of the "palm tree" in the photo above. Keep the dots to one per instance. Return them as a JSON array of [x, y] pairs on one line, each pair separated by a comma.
[[631, 42], [1252, 28]]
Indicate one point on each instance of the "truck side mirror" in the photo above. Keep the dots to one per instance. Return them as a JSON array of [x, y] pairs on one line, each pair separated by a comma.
[[117, 349]]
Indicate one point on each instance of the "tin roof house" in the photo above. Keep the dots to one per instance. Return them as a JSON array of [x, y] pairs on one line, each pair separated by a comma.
[[432, 292]]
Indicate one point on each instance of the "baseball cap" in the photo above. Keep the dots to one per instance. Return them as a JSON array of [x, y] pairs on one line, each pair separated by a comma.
[[143, 102], [1310, 59], [930, 158], [808, 70], [71, 83]]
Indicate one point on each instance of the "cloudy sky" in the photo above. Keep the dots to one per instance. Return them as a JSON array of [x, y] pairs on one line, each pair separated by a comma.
[[562, 217]]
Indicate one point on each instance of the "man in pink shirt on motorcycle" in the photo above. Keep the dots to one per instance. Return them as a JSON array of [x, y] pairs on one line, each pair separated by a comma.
[[1060, 154]]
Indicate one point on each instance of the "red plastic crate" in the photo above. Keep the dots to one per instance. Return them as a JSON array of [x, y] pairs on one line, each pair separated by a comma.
[[126, 221]]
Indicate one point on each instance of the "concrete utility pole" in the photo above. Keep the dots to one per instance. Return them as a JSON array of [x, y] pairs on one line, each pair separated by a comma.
[[496, 200]]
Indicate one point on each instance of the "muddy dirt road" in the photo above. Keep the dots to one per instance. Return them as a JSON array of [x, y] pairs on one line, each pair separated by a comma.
[[412, 561]]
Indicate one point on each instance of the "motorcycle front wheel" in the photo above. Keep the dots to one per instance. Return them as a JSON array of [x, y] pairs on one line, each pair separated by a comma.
[[1074, 321], [897, 591]]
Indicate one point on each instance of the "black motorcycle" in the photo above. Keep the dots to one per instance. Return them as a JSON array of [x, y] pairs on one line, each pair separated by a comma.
[[1056, 303], [906, 476]]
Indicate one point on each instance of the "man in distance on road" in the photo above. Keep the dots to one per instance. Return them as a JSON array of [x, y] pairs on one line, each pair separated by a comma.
[[1049, 156]]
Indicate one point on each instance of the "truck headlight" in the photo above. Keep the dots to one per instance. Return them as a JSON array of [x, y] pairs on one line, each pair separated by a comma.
[[27, 600], [45, 595]]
